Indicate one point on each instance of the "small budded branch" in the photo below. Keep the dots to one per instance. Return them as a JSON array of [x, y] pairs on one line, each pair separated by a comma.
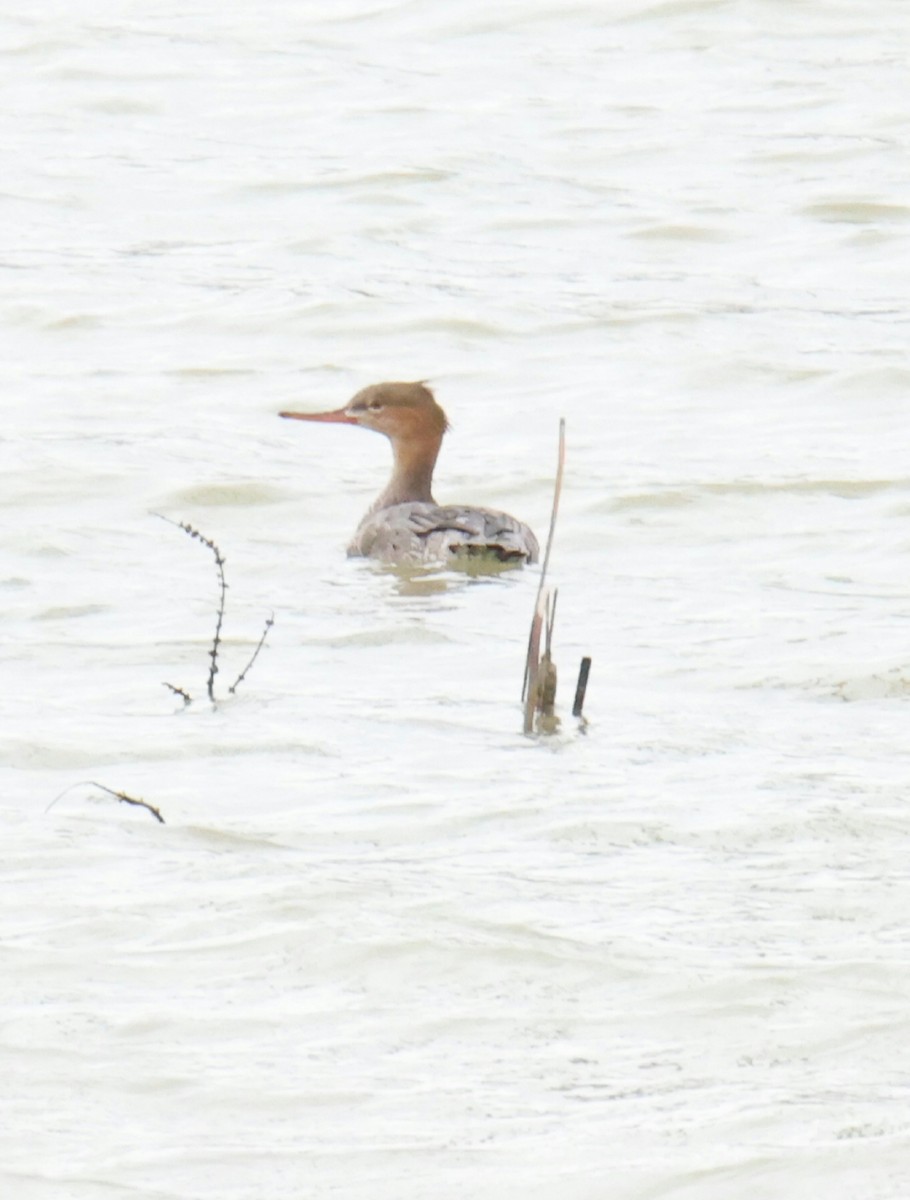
[[219, 618], [222, 593]]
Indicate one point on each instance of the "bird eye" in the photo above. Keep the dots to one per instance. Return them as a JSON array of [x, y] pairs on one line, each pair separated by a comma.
[[375, 406]]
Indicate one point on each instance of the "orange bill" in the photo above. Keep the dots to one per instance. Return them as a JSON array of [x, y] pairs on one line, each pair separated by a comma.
[[339, 416]]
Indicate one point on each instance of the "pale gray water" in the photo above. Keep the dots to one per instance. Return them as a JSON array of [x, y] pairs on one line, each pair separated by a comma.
[[386, 947]]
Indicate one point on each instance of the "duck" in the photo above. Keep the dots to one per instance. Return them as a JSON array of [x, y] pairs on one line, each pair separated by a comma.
[[404, 525]]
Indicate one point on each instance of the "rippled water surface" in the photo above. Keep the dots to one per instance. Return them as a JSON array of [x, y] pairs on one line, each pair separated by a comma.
[[384, 945]]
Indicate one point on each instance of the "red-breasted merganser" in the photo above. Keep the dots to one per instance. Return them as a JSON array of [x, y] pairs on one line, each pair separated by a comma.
[[405, 524]]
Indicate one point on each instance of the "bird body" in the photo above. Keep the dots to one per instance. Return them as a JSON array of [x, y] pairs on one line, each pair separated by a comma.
[[422, 532]]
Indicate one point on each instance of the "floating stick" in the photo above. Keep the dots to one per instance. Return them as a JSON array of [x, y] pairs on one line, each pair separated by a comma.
[[582, 686], [187, 698], [121, 796]]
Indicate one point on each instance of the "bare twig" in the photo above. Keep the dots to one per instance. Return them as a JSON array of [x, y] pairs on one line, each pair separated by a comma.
[[219, 618], [265, 633], [185, 696], [121, 796]]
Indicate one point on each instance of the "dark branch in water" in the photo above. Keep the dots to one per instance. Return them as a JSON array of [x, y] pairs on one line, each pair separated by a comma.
[[121, 796], [265, 633], [582, 686]]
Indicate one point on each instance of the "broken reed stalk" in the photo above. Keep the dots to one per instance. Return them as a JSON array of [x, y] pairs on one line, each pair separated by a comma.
[[265, 633], [529, 692], [121, 796], [544, 614], [540, 697], [545, 703]]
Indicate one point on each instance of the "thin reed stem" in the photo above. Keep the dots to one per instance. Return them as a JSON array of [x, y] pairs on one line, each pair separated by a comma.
[[540, 605]]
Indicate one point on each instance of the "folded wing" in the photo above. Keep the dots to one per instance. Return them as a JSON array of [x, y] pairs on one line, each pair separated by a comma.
[[418, 532]]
